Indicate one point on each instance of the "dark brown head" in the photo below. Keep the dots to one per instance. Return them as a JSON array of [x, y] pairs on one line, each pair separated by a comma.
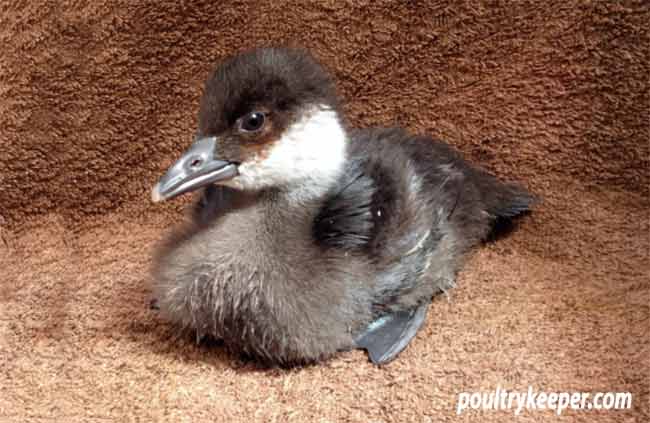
[[268, 118]]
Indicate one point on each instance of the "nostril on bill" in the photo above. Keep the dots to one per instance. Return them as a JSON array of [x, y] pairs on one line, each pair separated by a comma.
[[153, 304], [196, 163]]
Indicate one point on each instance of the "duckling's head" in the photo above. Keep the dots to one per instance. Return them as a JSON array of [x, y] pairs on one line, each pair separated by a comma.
[[268, 119]]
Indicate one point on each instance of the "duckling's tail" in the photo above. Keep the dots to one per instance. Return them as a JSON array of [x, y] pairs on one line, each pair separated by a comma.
[[502, 202], [506, 200]]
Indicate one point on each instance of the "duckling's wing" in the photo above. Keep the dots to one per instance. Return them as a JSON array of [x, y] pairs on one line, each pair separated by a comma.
[[387, 336]]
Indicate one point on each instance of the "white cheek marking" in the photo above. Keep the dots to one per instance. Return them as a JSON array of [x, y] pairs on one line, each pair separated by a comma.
[[307, 159]]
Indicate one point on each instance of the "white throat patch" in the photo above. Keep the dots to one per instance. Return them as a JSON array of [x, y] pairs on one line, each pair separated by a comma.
[[308, 158]]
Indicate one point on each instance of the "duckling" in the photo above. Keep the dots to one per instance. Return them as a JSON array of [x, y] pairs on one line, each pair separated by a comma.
[[310, 237]]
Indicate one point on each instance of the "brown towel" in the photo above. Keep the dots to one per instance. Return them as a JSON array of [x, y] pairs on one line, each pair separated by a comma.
[[95, 102]]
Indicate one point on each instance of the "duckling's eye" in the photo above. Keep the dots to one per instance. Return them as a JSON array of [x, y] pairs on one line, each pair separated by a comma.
[[252, 122]]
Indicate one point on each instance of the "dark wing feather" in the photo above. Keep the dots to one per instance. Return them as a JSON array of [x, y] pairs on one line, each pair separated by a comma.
[[346, 219]]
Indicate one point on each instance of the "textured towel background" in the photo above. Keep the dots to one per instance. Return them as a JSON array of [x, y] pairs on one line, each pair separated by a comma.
[[97, 100]]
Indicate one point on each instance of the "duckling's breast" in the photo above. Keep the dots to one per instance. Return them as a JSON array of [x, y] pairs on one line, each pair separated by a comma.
[[256, 279]]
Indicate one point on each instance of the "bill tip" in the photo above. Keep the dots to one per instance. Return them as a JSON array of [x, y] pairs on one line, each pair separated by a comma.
[[155, 194]]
